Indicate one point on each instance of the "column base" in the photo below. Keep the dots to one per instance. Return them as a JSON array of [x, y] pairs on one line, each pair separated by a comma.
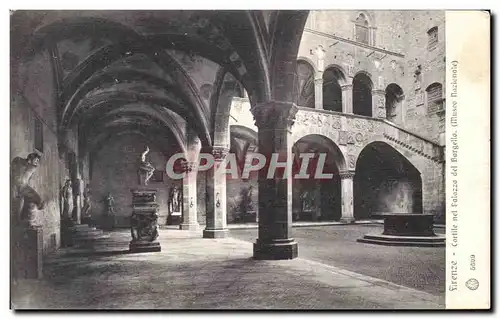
[[347, 220], [189, 226], [215, 233], [276, 249]]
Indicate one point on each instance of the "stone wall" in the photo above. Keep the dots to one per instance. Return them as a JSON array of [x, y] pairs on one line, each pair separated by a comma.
[[399, 46], [34, 100]]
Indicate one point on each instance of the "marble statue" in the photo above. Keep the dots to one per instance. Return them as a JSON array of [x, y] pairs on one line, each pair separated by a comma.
[[146, 169], [175, 200], [110, 205], [307, 200], [67, 199], [87, 194], [25, 200]]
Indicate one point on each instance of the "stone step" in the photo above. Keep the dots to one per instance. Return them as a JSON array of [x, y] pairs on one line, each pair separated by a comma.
[[405, 238], [90, 238], [88, 234], [403, 241], [85, 230]]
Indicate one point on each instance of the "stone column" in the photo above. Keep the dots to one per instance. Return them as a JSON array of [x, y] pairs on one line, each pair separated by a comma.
[[274, 120], [347, 98], [189, 206], [216, 226], [346, 182], [318, 91], [378, 104]]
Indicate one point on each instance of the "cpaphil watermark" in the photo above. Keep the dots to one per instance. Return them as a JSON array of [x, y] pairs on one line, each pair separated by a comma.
[[303, 166]]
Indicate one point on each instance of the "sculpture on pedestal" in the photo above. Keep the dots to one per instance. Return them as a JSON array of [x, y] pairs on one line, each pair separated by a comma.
[[144, 218], [25, 200], [175, 199], [110, 205], [87, 205], [67, 200], [146, 169]]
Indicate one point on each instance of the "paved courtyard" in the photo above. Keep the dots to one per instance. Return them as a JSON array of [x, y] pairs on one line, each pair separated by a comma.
[[421, 268], [196, 273]]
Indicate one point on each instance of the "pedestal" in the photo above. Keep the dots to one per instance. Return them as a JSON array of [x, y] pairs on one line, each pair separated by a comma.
[[27, 252], [144, 221], [406, 230]]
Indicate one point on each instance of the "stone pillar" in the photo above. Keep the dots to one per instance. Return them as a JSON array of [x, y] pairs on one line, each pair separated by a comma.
[[347, 98], [189, 206], [378, 104], [216, 226], [318, 91], [274, 121], [346, 182]]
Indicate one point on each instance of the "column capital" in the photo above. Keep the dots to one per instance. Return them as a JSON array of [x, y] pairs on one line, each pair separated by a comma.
[[219, 152], [378, 92], [346, 87], [318, 80], [347, 174], [274, 114]]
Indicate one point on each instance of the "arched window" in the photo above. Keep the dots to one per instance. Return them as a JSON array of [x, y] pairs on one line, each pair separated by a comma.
[[305, 73], [362, 95], [432, 38], [434, 97], [332, 92], [393, 99], [362, 30]]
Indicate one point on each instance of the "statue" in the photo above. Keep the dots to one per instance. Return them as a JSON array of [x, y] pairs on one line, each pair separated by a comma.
[[307, 201], [25, 200], [175, 199], [86, 202], [110, 202], [67, 200], [145, 170]]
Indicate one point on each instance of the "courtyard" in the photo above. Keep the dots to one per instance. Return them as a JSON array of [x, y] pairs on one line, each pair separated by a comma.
[[332, 272]]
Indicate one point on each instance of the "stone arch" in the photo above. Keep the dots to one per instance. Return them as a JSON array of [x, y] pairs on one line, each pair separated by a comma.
[[306, 76], [309, 61], [394, 97], [385, 182], [317, 198], [333, 78], [362, 86]]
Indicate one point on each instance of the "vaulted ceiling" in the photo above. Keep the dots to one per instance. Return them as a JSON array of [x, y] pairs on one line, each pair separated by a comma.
[[155, 73]]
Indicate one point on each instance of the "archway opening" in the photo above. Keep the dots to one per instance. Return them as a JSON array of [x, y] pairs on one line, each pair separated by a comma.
[[385, 182], [242, 192], [362, 95], [332, 92], [317, 198], [305, 73], [393, 100]]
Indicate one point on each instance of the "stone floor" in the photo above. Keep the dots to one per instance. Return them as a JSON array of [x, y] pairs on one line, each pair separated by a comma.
[[196, 273]]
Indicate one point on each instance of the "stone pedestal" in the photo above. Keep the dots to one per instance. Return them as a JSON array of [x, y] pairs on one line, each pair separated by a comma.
[[406, 230], [27, 252], [144, 221]]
